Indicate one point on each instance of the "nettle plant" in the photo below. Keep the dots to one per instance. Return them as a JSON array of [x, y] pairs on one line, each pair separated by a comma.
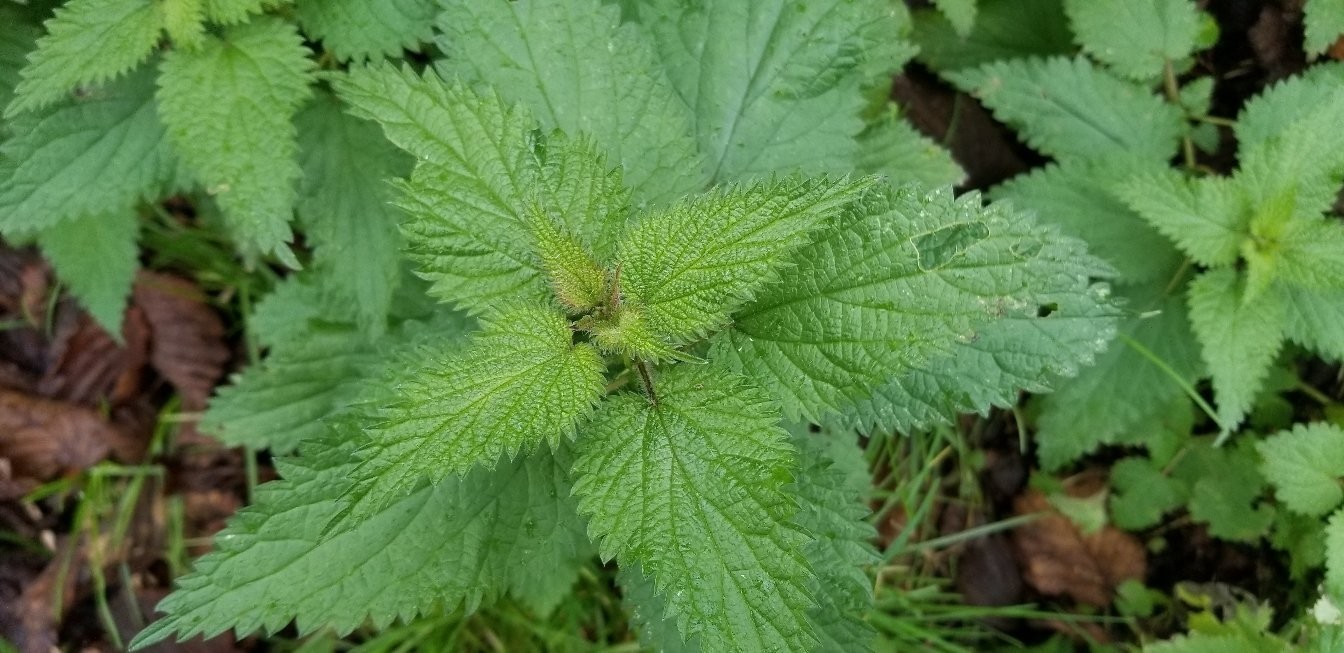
[[656, 259]]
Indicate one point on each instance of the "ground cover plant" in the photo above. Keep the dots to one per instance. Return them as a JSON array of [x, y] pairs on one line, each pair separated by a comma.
[[649, 322]]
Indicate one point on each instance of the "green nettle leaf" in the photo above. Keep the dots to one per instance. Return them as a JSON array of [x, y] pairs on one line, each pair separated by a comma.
[[1277, 109], [481, 166], [1225, 487], [647, 609], [17, 37], [1308, 253], [1296, 172], [1126, 398], [231, 12], [467, 540], [890, 314], [356, 29], [96, 255], [773, 85], [87, 42], [579, 282], [520, 382], [84, 157], [1142, 494], [344, 204], [1067, 108], [1074, 195], [1305, 465], [1136, 38], [1334, 556], [1324, 20], [832, 487], [892, 147], [579, 69], [960, 13], [184, 21], [1004, 29], [282, 401], [690, 265], [1240, 338], [1207, 218], [228, 107], [692, 488], [1316, 320]]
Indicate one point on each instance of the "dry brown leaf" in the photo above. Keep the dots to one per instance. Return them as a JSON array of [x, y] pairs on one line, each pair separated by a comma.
[[1058, 559], [89, 367], [186, 336], [42, 439]]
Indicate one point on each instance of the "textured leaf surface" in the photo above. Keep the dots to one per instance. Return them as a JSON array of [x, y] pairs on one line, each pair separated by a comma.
[[345, 204], [1225, 490], [900, 297], [87, 42], [282, 401], [481, 167], [690, 265], [1301, 165], [647, 609], [693, 491], [1004, 29], [832, 488], [359, 29], [1067, 108], [465, 541], [1324, 20], [96, 255], [1076, 196], [1334, 556], [84, 157], [578, 69], [1207, 218], [228, 107], [891, 146], [1239, 338], [1305, 465], [773, 85], [1126, 398], [1136, 38], [520, 381], [1141, 494], [1316, 320], [230, 12]]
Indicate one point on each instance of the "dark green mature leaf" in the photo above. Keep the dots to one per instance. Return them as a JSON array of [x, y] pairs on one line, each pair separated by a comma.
[[890, 146], [228, 107], [648, 613], [689, 266], [345, 205], [1278, 108], [17, 36], [521, 381], [693, 490], [832, 488], [1005, 29], [459, 543], [773, 85], [1076, 195], [85, 157], [578, 69], [96, 255], [87, 42], [1142, 494], [1069, 109], [481, 167], [890, 317], [1225, 488], [359, 29]]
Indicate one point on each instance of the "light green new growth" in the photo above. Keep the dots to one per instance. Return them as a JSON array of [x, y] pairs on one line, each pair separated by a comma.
[[1240, 338], [1136, 38], [184, 21], [521, 381], [87, 42], [1069, 109], [231, 12], [691, 265], [1305, 465], [692, 489], [229, 109], [359, 30]]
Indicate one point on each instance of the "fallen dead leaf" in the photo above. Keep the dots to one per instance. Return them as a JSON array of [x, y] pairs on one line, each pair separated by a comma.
[[186, 336], [42, 439], [1058, 559], [88, 367]]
